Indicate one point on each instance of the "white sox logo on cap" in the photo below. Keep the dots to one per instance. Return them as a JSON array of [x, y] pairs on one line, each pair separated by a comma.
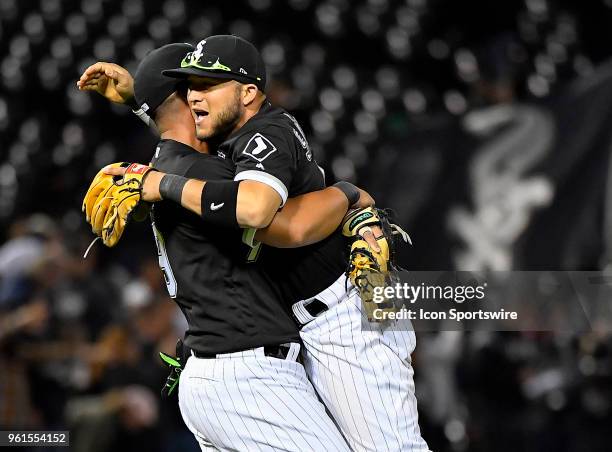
[[197, 53]]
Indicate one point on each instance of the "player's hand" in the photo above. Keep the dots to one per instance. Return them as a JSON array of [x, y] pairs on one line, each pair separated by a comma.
[[150, 184], [370, 235], [370, 266], [365, 200], [110, 80]]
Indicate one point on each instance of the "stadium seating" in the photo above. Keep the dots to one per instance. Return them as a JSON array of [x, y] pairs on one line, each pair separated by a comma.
[[346, 68]]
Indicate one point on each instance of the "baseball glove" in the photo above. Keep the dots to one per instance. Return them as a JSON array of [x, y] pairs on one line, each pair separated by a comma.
[[111, 202], [369, 269], [98, 195]]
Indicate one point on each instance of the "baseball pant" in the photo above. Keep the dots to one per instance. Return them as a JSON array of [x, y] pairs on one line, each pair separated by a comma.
[[363, 375], [246, 401]]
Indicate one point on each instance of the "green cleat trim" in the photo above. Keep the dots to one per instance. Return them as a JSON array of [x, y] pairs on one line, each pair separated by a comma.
[[169, 360]]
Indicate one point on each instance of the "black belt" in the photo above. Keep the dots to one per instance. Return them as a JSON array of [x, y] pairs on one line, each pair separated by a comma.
[[272, 351], [316, 307], [306, 311]]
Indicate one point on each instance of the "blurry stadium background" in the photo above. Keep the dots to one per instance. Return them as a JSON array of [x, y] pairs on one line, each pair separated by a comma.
[[484, 124]]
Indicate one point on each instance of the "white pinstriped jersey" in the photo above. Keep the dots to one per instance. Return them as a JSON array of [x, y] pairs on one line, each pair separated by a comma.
[[248, 402], [363, 375]]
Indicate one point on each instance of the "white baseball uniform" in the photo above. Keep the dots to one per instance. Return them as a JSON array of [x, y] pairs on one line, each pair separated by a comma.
[[247, 401], [364, 377]]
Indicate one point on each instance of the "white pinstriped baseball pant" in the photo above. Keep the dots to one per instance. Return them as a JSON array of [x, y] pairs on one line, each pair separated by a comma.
[[364, 377], [246, 401]]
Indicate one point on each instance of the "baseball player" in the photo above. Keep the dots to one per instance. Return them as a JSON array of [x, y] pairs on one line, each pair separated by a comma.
[[364, 377], [242, 388]]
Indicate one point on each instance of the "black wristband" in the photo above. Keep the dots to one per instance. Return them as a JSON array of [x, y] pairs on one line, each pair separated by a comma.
[[219, 200], [171, 187], [350, 191]]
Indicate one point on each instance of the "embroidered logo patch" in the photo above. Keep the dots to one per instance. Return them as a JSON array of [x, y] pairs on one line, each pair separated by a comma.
[[259, 147]]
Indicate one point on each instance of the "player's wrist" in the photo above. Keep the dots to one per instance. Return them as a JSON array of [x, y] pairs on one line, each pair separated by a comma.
[[151, 186], [350, 191], [171, 187]]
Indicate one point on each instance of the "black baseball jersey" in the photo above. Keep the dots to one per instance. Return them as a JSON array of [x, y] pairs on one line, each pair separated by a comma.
[[272, 148], [230, 305]]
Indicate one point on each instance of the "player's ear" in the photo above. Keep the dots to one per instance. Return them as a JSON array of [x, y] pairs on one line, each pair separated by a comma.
[[249, 93]]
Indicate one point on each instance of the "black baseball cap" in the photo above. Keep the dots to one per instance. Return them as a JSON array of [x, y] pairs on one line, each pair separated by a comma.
[[223, 56], [151, 88]]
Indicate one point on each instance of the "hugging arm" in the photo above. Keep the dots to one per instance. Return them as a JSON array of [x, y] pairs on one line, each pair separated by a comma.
[[309, 218]]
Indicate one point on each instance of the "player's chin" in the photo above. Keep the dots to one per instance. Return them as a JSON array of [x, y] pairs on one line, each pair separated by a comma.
[[202, 134]]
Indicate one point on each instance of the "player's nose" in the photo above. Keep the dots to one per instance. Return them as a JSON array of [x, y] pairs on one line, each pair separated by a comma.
[[194, 96]]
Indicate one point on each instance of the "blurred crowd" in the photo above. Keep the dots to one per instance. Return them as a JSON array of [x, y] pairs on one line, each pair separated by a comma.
[[484, 125], [79, 342], [362, 77]]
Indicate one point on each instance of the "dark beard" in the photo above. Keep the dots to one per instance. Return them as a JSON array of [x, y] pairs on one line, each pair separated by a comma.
[[226, 121]]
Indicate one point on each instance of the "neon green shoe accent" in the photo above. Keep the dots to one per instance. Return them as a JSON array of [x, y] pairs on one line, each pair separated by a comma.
[[169, 360]]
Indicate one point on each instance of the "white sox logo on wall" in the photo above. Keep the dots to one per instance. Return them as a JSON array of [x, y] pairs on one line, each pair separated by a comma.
[[259, 147]]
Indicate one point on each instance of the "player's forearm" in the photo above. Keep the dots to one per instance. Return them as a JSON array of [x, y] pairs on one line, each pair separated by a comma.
[[191, 197], [306, 219], [243, 204], [157, 186], [256, 204]]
